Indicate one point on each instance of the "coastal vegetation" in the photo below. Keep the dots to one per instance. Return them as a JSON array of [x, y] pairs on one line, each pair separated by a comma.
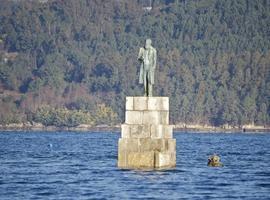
[[66, 63]]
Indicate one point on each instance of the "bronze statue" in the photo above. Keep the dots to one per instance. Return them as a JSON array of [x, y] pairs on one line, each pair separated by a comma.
[[148, 59]]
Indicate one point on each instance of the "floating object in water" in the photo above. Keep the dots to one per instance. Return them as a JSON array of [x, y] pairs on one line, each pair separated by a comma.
[[50, 145], [214, 161]]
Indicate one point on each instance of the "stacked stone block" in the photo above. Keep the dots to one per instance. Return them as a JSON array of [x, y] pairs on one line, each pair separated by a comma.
[[146, 136]]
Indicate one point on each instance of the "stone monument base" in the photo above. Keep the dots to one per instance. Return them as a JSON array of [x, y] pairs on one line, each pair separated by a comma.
[[146, 137]]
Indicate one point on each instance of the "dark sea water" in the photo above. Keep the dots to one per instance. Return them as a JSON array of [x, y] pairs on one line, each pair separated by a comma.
[[70, 165]]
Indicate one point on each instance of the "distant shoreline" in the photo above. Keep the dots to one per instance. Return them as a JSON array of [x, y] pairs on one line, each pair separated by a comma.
[[117, 128], [40, 127], [221, 130]]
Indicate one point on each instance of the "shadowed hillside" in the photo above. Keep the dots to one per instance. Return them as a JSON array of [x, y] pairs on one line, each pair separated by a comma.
[[66, 63]]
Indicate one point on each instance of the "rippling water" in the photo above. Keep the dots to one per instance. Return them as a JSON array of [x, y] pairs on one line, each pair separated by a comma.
[[70, 165]]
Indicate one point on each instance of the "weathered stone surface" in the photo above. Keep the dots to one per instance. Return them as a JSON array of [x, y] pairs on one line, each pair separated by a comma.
[[128, 144], [141, 159], [134, 117], [129, 103], [155, 117], [171, 145], [165, 159], [164, 117], [122, 159], [125, 131], [139, 131], [149, 144], [168, 131], [147, 103], [161, 131], [140, 103], [146, 159], [146, 137], [158, 103], [157, 131], [151, 117]]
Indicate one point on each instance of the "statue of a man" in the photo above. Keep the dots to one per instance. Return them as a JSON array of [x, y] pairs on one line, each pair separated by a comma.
[[148, 59]]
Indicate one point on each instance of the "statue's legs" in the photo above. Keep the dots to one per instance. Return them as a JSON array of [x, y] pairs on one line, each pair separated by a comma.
[[146, 84], [148, 87], [150, 90], [145, 90]]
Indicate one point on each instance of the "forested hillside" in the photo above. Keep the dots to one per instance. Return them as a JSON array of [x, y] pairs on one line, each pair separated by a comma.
[[65, 62]]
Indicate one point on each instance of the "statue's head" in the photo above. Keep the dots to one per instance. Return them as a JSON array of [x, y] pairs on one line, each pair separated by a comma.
[[148, 43]]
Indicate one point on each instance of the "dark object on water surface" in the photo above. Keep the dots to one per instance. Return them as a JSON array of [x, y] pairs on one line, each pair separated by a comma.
[[214, 161]]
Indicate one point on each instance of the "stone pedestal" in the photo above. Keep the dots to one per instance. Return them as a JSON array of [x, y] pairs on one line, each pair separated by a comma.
[[146, 137]]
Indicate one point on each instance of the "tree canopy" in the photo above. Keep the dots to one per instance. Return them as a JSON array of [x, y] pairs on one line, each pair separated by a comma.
[[79, 58]]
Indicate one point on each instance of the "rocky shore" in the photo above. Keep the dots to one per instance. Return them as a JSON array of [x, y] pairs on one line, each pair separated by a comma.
[[116, 128], [224, 128], [40, 127]]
